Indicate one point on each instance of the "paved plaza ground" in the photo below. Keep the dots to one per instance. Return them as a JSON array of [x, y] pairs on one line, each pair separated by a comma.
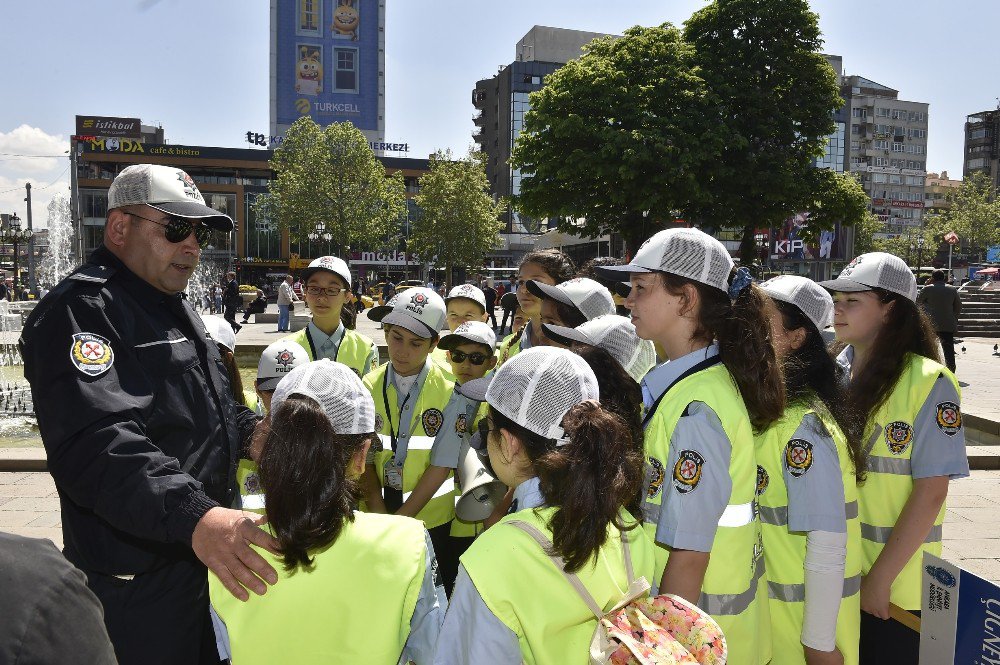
[[29, 504]]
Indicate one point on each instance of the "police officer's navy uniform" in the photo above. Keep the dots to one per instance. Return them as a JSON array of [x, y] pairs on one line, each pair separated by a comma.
[[142, 436]]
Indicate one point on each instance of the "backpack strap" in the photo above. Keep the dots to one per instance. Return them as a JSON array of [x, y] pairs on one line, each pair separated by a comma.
[[635, 590]]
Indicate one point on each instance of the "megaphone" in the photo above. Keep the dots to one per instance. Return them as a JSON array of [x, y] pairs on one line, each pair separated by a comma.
[[481, 491]]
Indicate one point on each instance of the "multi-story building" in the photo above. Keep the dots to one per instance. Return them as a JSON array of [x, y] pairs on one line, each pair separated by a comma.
[[888, 148], [501, 102], [938, 190], [982, 145]]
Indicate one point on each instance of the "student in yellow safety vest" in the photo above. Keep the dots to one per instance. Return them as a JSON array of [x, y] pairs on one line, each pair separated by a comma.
[[353, 587], [546, 266], [722, 382], [411, 393], [807, 489], [326, 285], [573, 470], [572, 302], [464, 302], [910, 407]]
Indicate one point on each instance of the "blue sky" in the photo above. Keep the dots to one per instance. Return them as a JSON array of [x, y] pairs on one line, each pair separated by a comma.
[[200, 67]]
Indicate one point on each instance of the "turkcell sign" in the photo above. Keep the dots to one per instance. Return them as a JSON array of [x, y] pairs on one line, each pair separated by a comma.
[[95, 125], [326, 61], [960, 616]]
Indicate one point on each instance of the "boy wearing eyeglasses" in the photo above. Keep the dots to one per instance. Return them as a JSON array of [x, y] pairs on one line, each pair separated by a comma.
[[327, 282]]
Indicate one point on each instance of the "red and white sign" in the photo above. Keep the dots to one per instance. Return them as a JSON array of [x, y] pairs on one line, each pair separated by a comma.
[[951, 238]]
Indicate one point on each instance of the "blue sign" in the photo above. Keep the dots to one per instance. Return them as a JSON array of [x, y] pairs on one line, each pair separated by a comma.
[[326, 62], [993, 254], [960, 616]]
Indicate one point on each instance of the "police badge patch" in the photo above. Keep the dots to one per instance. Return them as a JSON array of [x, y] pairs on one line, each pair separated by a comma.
[[91, 354], [762, 480], [462, 423], [378, 423], [898, 436], [431, 421], [798, 457], [687, 471], [949, 418], [655, 474], [251, 484]]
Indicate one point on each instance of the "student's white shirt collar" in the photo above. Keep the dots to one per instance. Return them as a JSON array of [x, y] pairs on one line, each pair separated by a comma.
[[529, 494], [658, 379]]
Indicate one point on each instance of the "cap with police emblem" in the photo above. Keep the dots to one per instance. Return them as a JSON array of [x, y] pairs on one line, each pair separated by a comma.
[[166, 188], [419, 310], [875, 270], [277, 360], [332, 264], [470, 331], [469, 292]]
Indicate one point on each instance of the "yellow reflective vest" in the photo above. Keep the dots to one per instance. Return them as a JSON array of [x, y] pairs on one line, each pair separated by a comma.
[[353, 606], [889, 484], [510, 346], [785, 551], [354, 349], [426, 417], [525, 590], [251, 492], [734, 589]]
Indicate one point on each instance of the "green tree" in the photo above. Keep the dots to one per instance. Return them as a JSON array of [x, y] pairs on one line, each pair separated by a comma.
[[616, 138], [864, 234], [330, 176], [459, 222], [777, 94], [974, 216]]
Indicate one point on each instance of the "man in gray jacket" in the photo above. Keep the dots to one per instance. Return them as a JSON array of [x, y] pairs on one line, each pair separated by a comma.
[[286, 296], [943, 304]]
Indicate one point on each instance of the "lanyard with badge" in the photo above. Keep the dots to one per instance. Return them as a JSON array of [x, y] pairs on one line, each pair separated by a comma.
[[394, 466], [312, 346]]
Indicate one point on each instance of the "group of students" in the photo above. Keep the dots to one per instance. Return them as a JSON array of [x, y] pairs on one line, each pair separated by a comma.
[[787, 491]]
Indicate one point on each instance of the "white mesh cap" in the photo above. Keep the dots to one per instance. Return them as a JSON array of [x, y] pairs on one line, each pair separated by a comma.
[[591, 298], [165, 188], [420, 310], [337, 389], [812, 299], [536, 388], [220, 331], [330, 264], [469, 292], [687, 253], [875, 270], [616, 335], [470, 331], [277, 361]]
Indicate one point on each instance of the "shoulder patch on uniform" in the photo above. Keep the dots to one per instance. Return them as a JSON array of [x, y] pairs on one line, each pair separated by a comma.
[[251, 484], [378, 423], [431, 420], [763, 480], [461, 423], [798, 457], [687, 471], [655, 475], [949, 418], [898, 436], [92, 273], [91, 354]]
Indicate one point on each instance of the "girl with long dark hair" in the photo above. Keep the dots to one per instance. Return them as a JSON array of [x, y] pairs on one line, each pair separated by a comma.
[[321, 424], [907, 407], [573, 470], [547, 266], [722, 383]]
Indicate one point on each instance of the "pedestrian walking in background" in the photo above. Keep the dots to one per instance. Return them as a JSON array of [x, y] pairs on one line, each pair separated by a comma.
[[491, 302], [231, 300], [943, 303], [286, 296]]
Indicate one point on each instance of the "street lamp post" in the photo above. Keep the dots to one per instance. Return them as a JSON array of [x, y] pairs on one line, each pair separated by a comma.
[[920, 254], [320, 232], [14, 235]]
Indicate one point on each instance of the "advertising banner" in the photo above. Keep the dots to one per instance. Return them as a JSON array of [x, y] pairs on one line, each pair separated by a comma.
[[97, 125], [960, 616], [787, 243], [326, 61]]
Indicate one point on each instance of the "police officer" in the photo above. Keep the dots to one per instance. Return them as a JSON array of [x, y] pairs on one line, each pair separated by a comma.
[[140, 427]]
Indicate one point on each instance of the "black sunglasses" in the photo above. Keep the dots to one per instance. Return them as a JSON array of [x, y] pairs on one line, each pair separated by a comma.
[[179, 228], [476, 358]]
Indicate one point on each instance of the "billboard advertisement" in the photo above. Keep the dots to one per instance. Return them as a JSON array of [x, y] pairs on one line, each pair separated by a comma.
[[787, 243], [327, 62], [99, 125]]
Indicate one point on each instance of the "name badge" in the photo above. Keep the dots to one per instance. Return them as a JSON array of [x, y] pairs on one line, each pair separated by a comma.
[[394, 474]]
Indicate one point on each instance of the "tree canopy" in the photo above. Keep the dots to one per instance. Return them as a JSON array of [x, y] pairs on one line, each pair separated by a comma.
[[330, 176], [458, 221]]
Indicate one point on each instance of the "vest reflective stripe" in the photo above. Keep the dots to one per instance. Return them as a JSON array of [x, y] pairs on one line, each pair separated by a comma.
[[733, 603], [380, 559], [433, 397], [511, 573], [880, 534], [739, 515], [353, 352], [785, 551], [796, 593], [253, 502], [778, 516], [447, 489], [733, 587], [889, 484]]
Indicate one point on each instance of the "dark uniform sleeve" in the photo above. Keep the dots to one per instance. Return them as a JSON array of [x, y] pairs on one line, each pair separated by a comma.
[[93, 418]]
